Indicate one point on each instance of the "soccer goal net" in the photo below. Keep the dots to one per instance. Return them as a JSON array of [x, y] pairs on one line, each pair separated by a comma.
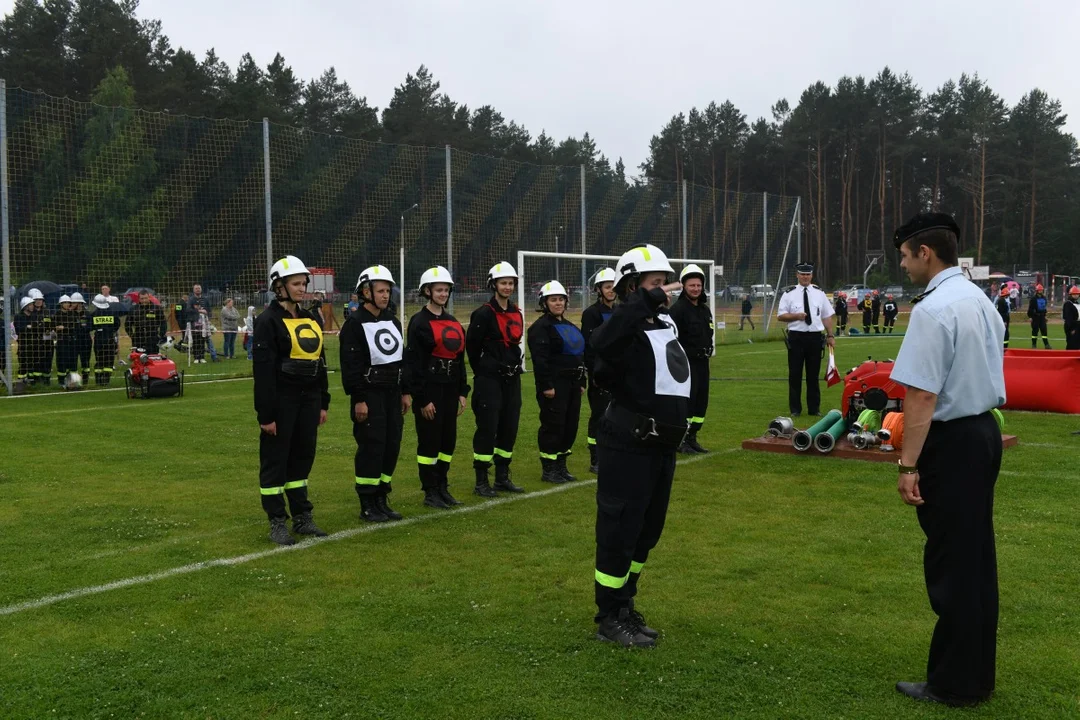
[[576, 272]]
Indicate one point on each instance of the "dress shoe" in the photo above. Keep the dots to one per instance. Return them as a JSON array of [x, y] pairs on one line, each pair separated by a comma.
[[922, 691]]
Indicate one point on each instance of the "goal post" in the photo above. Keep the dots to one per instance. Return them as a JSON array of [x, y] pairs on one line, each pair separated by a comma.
[[525, 279]]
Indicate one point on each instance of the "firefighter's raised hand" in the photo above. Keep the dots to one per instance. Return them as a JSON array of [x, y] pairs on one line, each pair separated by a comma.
[[269, 428], [428, 411], [360, 412]]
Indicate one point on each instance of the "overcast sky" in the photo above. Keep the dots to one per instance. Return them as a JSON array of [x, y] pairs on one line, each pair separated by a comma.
[[620, 70]]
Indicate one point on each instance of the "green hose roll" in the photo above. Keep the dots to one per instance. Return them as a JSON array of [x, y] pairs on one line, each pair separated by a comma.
[[826, 441], [804, 439], [870, 420], [1000, 419]]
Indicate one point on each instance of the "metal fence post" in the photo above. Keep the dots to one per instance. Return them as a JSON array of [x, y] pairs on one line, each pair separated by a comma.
[[584, 290], [266, 197], [4, 237], [684, 251], [765, 258], [449, 223]]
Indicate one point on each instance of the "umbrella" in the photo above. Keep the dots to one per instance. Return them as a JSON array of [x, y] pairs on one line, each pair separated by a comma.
[[133, 296], [47, 287], [1012, 284]]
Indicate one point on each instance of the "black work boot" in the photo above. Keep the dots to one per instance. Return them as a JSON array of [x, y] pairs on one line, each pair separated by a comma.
[[618, 628], [433, 498], [638, 621], [691, 440], [302, 524], [370, 510], [444, 493], [594, 467], [551, 472], [483, 489], [279, 533], [561, 466], [503, 483], [684, 447], [388, 511]]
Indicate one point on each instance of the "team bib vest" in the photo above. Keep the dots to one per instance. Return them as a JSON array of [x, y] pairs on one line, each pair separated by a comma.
[[449, 339], [384, 342]]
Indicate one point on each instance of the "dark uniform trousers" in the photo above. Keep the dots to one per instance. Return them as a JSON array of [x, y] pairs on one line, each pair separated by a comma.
[[104, 357], [1038, 325], [957, 470], [82, 350], [866, 322], [559, 416], [436, 439], [699, 392], [632, 494], [378, 441], [67, 354], [25, 356], [496, 403], [285, 459], [598, 402], [804, 350], [1072, 342]]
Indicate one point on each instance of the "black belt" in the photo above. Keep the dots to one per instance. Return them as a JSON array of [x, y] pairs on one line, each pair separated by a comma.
[[701, 354], [382, 375], [442, 366], [645, 428], [302, 368], [575, 372]]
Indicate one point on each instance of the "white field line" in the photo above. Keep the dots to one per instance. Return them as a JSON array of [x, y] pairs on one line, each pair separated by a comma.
[[88, 391], [340, 535]]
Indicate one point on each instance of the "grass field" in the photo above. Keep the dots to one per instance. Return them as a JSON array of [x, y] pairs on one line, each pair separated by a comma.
[[786, 587]]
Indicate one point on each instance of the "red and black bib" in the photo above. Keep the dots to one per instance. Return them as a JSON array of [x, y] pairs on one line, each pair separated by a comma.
[[449, 339], [511, 326]]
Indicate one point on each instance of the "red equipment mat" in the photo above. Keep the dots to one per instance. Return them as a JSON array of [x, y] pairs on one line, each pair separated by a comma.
[[843, 449]]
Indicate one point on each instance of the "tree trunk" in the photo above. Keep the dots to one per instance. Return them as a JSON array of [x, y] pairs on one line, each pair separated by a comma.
[[982, 203], [1031, 228], [882, 167]]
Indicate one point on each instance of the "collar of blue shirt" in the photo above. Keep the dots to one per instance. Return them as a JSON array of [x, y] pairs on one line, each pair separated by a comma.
[[942, 277]]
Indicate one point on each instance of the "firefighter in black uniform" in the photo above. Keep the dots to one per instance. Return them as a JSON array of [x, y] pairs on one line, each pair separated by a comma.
[[371, 348], [866, 304], [84, 330], [1071, 314], [105, 320], [638, 356], [592, 318], [493, 344], [43, 352], [694, 322], [557, 348], [434, 375], [875, 308], [1002, 305], [891, 311], [841, 310], [25, 332], [67, 322], [291, 399], [1037, 308], [146, 324]]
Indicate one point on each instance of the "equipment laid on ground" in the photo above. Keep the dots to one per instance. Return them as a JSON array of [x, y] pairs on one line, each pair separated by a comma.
[[826, 441], [803, 440], [152, 376], [782, 427]]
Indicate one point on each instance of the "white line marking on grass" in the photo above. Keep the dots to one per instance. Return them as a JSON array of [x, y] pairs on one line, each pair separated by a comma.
[[334, 537], [89, 391]]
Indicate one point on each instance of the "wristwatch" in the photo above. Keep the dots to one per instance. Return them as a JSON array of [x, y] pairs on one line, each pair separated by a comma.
[[906, 469]]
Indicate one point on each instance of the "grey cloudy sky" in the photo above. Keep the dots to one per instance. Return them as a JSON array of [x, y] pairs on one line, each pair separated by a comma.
[[620, 70]]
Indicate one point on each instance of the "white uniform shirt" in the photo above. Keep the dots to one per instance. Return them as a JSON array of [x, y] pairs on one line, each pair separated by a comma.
[[820, 308]]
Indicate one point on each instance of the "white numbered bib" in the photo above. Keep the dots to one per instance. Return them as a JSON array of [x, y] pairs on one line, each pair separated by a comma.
[[672, 368], [384, 342]]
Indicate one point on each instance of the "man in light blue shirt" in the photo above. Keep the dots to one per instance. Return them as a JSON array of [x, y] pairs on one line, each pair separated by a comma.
[[952, 367]]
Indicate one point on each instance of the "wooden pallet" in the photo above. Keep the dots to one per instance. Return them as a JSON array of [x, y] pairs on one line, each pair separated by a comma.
[[843, 449]]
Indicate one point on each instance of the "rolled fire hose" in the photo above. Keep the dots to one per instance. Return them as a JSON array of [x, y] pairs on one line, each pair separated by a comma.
[[781, 427], [826, 441], [870, 420], [802, 440], [892, 430]]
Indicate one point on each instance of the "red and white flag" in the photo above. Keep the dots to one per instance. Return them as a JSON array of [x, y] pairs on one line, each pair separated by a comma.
[[832, 376]]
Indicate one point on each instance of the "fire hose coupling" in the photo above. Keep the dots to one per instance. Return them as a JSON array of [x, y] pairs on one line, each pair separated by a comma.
[[803, 440], [782, 427]]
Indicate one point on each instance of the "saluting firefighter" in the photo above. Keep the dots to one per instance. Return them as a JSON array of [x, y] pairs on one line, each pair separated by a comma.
[[291, 399], [694, 320], [25, 332], [891, 311], [1070, 313], [371, 350], [808, 313], [639, 359], [435, 377], [866, 304], [493, 344], [840, 309], [1003, 305], [105, 319], [593, 317], [146, 324], [1037, 308], [557, 348]]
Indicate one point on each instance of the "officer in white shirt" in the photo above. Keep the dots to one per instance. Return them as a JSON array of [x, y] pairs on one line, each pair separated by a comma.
[[952, 367], [808, 312]]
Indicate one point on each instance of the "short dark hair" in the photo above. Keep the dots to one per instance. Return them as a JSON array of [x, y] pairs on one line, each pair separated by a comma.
[[942, 241]]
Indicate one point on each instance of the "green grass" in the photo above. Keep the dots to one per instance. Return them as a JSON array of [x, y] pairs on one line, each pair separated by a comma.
[[785, 586]]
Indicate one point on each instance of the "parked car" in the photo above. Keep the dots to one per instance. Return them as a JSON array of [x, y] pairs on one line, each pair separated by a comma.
[[897, 291], [731, 293], [762, 291]]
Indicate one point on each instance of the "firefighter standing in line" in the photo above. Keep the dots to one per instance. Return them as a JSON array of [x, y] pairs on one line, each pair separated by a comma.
[[694, 322], [146, 324], [1003, 304], [1037, 308], [435, 377], [106, 326], [558, 354], [43, 321], [875, 308], [25, 331], [1071, 314], [592, 318], [291, 399], [67, 322], [84, 331], [640, 359], [371, 349], [493, 344], [841, 310], [891, 312], [867, 309]]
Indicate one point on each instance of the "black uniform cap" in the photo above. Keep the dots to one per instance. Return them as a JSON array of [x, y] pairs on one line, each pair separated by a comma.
[[804, 268], [922, 223]]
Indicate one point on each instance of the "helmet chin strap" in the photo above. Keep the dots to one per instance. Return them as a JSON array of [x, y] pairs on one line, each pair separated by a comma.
[[288, 295]]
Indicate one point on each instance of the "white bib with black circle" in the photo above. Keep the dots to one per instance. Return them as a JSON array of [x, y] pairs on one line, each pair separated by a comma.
[[672, 367], [384, 342]]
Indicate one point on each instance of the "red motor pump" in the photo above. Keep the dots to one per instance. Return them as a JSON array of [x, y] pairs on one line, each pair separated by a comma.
[[868, 387], [152, 376]]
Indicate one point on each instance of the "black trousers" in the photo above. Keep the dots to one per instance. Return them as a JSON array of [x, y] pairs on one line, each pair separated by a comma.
[[67, 357], [699, 392], [598, 402], [890, 322], [82, 350], [496, 404], [559, 417], [436, 439], [632, 494], [25, 356], [45, 359], [285, 459], [378, 441], [841, 320], [1072, 342], [1038, 325], [198, 345], [804, 351], [957, 471], [877, 321], [866, 322], [104, 357]]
